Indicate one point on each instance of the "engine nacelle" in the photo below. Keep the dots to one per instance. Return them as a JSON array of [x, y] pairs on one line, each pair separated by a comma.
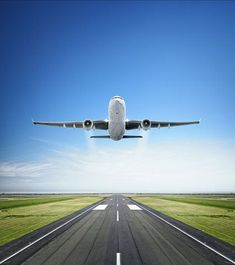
[[146, 124], [88, 125]]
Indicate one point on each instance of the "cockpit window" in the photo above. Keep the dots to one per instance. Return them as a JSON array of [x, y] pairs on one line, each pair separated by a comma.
[[117, 97]]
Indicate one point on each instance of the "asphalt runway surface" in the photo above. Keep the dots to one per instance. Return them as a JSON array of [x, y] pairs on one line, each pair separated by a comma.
[[117, 231]]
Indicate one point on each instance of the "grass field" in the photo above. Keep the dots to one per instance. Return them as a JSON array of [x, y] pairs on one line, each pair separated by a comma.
[[20, 215], [215, 215]]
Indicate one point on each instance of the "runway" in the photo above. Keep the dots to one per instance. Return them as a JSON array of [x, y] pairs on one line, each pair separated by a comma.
[[118, 231]]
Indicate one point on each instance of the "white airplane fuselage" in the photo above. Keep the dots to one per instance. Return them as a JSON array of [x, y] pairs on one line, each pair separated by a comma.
[[117, 117]]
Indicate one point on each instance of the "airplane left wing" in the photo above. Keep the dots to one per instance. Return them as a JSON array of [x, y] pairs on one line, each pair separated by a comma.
[[147, 124], [157, 124], [87, 124]]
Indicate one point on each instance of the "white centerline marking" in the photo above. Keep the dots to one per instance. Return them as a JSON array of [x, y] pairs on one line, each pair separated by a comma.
[[192, 237], [117, 204], [134, 207], [118, 258], [39, 239], [117, 216], [100, 207]]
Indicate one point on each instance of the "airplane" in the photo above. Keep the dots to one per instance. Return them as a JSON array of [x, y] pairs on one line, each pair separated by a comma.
[[117, 124]]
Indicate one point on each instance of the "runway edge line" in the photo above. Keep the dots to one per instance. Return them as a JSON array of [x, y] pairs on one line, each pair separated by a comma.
[[49, 233], [185, 233]]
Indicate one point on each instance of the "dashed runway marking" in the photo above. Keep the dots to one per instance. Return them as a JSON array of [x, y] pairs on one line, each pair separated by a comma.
[[118, 258]]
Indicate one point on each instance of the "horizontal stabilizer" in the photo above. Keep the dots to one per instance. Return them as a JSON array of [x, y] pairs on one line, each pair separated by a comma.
[[132, 136], [108, 136], [100, 136]]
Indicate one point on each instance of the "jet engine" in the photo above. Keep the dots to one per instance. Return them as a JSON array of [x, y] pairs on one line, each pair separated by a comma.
[[146, 124], [88, 125]]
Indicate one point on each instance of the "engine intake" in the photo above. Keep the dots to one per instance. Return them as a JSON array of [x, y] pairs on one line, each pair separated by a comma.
[[88, 125], [146, 124]]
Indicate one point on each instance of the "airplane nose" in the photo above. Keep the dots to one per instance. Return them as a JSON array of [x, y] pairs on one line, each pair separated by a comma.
[[119, 101]]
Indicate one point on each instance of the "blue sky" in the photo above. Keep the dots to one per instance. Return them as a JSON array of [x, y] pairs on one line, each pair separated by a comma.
[[64, 60]]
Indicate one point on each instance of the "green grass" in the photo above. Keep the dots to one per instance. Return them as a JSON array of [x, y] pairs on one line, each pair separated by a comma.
[[28, 213], [214, 215], [20, 201], [215, 201]]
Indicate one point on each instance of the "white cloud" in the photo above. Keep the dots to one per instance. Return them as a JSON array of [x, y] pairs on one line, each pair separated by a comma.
[[166, 167], [22, 169]]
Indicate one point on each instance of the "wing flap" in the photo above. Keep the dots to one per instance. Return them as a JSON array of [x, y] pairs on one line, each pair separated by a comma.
[[133, 124], [101, 125]]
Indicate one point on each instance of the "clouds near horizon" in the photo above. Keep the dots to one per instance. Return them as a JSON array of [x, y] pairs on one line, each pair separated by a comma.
[[195, 166]]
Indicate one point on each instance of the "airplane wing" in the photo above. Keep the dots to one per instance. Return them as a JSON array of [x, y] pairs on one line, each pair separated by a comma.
[[136, 124], [98, 124]]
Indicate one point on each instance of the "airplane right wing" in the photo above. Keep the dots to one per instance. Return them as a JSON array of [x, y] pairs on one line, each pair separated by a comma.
[[147, 124]]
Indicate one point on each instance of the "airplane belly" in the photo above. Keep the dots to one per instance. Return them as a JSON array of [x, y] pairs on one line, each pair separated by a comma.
[[116, 121], [116, 130]]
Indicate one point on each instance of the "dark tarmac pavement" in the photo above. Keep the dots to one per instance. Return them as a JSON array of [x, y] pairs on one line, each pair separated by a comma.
[[118, 235]]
